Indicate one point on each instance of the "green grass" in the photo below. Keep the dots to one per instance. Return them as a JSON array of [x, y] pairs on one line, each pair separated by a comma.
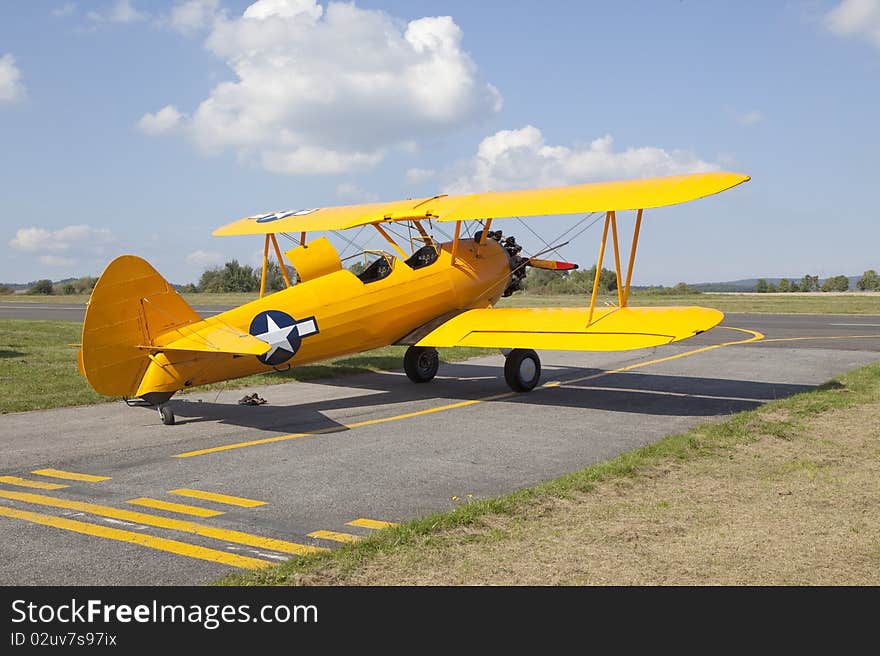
[[708, 440], [38, 366]]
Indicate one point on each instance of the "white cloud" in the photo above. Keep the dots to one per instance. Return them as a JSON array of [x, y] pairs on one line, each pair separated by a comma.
[[164, 121], [11, 88], [748, 119], [860, 18], [325, 91], [206, 258], [121, 11], [57, 260], [418, 176], [512, 159], [67, 9], [193, 15], [63, 240], [354, 194]]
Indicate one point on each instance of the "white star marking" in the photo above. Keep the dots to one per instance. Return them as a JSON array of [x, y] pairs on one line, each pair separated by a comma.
[[277, 338]]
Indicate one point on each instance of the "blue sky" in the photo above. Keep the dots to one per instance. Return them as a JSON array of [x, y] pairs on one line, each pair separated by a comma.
[[139, 127]]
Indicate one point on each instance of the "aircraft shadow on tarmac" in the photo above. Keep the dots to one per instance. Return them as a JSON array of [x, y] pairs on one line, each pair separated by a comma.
[[651, 394]]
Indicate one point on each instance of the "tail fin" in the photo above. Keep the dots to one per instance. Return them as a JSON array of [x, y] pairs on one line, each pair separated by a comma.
[[130, 306]]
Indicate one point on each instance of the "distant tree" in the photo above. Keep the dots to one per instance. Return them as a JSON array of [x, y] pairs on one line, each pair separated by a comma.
[[85, 285], [785, 285], [6, 290], [761, 286], [795, 286], [189, 288], [68, 288], [41, 287], [771, 288], [232, 277], [810, 283], [835, 284], [869, 281], [274, 279]]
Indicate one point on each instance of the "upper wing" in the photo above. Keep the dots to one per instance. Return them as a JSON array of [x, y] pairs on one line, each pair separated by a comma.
[[575, 199], [612, 329]]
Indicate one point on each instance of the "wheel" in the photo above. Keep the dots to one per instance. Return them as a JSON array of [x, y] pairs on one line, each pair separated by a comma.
[[522, 370], [421, 363], [167, 415]]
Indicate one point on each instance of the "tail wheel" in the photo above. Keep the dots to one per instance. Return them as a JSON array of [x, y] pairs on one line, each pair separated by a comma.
[[167, 414], [421, 363], [522, 370]]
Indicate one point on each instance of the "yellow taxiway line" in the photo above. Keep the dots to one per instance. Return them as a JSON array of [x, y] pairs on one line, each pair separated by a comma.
[[163, 522], [181, 508], [755, 336], [335, 536], [26, 482], [374, 524], [70, 476], [120, 535], [218, 498]]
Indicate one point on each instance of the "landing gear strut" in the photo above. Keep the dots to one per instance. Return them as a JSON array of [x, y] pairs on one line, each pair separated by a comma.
[[522, 369], [421, 363], [166, 413]]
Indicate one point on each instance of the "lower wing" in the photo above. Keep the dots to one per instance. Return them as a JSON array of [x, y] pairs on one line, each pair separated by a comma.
[[567, 329]]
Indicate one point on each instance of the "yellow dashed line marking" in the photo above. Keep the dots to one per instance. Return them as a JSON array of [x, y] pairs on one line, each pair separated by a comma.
[[174, 507], [755, 336], [335, 536], [70, 476], [374, 524], [164, 522], [161, 544], [218, 498], [25, 482]]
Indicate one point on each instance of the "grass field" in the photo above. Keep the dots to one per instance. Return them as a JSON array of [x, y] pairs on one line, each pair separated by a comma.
[[785, 494], [854, 303], [38, 366]]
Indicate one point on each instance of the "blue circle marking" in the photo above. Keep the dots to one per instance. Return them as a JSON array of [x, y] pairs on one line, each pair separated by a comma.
[[279, 330]]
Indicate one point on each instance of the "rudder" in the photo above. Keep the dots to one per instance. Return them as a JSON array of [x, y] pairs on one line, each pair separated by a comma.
[[130, 305]]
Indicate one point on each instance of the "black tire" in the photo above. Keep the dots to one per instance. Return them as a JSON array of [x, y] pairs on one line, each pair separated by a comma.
[[167, 415], [522, 370], [421, 363]]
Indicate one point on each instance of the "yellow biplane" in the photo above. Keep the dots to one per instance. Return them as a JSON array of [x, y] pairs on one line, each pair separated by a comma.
[[141, 339]]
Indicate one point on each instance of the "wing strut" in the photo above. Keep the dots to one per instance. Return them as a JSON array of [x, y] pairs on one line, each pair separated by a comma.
[[622, 290], [270, 237]]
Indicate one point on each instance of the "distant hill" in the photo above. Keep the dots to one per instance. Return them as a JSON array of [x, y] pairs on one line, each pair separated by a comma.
[[748, 284]]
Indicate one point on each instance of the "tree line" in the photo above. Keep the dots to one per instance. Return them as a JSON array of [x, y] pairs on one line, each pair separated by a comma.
[[869, 281]]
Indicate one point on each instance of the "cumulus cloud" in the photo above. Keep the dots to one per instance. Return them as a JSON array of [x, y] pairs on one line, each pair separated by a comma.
[[748, 119], [67, 9], [418, 176], [11, 88], [164, 121], [205, 258], [858, 18], [121, 11], [57, 260], [73, 237], [354, 194], [332, 90], [512, 159], [193, 15]]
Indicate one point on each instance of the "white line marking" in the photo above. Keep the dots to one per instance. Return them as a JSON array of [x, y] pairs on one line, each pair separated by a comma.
[[872, 325], [664, 393]]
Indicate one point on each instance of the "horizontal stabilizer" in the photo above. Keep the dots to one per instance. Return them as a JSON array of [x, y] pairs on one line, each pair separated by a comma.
[[210, 336], [612, 328]]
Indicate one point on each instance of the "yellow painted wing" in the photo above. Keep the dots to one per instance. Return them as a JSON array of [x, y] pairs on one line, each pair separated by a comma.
[[210, 336], [565, 329], [575, 199]]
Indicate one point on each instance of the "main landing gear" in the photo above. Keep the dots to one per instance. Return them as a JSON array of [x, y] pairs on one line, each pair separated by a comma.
[[522, 367], [421, 363]]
